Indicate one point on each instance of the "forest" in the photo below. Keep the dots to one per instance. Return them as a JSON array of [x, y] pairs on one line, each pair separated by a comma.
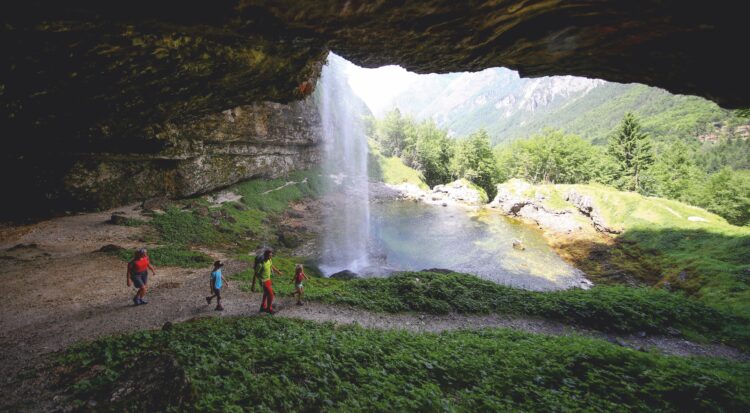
[[714, 175]]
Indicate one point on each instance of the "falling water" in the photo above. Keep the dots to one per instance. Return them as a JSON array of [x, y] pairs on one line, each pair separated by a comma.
[[347, 216]]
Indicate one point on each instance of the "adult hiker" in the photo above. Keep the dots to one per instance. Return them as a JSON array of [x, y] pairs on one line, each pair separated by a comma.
[[257, 268], [137, 274], [267, 267]]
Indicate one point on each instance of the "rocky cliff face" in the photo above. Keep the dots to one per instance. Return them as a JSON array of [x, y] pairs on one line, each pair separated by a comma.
[[89, 83], [264, 139]]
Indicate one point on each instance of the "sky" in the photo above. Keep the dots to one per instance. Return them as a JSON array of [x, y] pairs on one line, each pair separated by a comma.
[[377, 87]]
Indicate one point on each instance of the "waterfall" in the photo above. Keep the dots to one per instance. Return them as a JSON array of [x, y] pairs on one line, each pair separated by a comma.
[[347, 215]]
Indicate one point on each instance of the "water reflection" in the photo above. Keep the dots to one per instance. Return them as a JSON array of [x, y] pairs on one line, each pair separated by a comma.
[[414, 236]]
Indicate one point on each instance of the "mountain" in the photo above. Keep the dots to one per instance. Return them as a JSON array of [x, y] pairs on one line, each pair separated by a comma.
[[510, 107]]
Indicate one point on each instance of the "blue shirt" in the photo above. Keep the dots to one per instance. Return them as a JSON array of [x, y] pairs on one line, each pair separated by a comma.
[[216, 278]]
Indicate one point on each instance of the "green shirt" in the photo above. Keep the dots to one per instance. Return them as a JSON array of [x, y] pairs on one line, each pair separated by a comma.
[[265, 270]]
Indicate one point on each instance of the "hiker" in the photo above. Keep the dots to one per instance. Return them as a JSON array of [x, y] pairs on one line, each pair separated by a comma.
[[299, 276], [267, 268], [257, 268], [216, 282], [138, 274]]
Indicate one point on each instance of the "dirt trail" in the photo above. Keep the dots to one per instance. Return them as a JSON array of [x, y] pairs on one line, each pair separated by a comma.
[[59, 291]]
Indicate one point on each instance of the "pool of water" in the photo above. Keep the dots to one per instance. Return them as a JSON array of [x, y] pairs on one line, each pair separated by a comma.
[[407, 235]]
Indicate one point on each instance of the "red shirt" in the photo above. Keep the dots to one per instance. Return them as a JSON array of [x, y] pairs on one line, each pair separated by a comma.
[[298, 277], [140, 265]]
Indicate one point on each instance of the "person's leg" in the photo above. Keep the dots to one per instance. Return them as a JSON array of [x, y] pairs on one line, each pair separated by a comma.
[[301, 294], [213, 291], [263, 301], [142, 291], [269, 287], [137, 283], [218, 300]]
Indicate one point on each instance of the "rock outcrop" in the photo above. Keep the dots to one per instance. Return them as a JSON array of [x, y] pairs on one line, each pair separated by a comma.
[[459, 192], [517, 198], [585, 205], [94, 93], [260, 140]]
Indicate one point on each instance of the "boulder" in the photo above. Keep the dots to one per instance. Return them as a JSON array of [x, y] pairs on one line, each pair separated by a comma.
[[118, 220], [345, 275], [154, 204], [110, 248], [585, 205], [460, 192]]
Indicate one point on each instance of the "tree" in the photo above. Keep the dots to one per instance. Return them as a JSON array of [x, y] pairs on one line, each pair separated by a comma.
[[433, 151], [552, 157], [390, 133], [631, 150], [675, 175], [727, 193], [474, 160]]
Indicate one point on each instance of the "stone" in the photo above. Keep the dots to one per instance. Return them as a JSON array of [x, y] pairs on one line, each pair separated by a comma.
[[518, 245], [202, 211], [109, 248], [345, 275], [118, 220], [289, 238], [585, 205], [156, 204]]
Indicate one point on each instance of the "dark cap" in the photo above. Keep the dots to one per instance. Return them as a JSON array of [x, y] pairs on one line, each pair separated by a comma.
[[218, 264]]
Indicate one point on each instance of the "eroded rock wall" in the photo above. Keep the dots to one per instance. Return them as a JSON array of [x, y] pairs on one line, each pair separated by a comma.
[[260, 140]]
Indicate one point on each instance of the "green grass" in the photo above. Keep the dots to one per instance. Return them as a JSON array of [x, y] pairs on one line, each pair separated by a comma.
[[264, 364], [241, 225], [172, 256], [264, 194], [606, 308], [391, 170], [709, 259]]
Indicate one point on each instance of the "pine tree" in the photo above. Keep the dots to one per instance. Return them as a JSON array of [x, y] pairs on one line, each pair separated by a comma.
[[632, 152]]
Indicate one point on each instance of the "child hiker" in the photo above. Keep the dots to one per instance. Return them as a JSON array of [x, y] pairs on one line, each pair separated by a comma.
[[299, 276], [216, 282], [137, 274]]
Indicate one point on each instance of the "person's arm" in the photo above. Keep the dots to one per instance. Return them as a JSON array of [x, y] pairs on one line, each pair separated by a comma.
[[153, 271], [224, 280], [276, 270], [127, 276], [305, 276]]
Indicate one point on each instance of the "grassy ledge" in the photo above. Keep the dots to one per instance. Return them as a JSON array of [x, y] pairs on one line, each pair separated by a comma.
[[606, 308], [263, 364]]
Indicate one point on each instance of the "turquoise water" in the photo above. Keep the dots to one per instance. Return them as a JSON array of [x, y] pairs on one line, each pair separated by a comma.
[[413, 236]]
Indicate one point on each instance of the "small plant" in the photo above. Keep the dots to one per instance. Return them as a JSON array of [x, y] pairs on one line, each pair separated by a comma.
[[264, 364]]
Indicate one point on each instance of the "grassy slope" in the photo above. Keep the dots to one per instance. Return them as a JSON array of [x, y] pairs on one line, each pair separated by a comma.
[[606, 308], [264, 364], [392, 170], [710, 259]]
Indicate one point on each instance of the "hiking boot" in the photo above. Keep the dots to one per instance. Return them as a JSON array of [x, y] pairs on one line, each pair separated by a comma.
[[208, 300], [219, 308], [300, 303], [136, 300], [143, 301]]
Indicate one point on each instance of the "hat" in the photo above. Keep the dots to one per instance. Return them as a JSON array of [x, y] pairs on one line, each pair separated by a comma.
[[218, 264]]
